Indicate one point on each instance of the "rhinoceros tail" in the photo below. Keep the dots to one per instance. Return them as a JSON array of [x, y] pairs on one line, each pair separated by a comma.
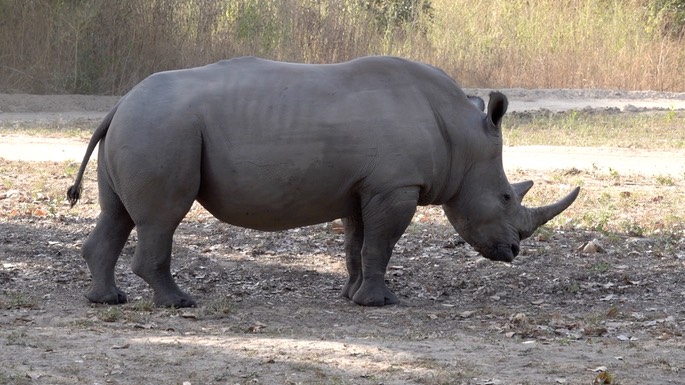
[[74, 192]]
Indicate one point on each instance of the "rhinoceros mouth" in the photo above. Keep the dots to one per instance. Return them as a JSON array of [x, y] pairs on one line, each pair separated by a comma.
[[502, 252]]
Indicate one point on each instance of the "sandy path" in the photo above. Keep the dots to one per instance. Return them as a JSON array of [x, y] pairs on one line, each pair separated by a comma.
[[540, 158], [625, 161], [37, 149]]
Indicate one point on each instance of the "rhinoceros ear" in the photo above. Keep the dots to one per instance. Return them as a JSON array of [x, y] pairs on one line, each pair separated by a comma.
[[497, 107]]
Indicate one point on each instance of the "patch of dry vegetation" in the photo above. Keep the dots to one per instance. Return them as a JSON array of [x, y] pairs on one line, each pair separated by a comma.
[[660, 130], [610, 203], [99, 46]]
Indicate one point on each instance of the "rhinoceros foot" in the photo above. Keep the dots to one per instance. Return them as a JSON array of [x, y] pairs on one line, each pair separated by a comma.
[[111, 295], [351, 287], [374, 295], [174, 298]]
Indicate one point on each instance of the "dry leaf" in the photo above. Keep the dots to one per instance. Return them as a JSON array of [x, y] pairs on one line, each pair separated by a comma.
[[188, 315], [518, 318], [605, 378], [337, 227], [256, 328], [466, 314], [595, 332]]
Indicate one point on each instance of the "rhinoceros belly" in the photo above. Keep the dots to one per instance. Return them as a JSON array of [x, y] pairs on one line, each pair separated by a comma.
[[275, 187]]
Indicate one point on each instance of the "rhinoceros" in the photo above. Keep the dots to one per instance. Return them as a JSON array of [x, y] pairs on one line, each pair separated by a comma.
[[270, 145]]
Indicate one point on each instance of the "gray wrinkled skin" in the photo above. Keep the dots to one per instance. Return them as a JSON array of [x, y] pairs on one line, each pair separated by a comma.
[[271, 146]]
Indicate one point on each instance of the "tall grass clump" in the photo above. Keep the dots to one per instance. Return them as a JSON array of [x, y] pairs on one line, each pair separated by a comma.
[[559, 43], [102, 46]]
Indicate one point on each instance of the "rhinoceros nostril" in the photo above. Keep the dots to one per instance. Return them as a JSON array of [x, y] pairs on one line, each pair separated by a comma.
[[515, 249]]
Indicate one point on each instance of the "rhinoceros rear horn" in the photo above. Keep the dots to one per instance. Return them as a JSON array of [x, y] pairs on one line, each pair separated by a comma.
[[540, 215], [521, 188]]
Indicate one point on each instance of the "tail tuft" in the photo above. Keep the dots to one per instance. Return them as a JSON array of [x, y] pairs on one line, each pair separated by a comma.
[[73, 194]]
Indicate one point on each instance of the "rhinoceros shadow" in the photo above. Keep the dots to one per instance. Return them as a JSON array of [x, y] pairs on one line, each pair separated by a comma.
[[213, 259]]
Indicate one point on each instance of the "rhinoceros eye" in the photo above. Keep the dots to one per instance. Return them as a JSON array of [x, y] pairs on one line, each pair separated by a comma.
[[506, 198]]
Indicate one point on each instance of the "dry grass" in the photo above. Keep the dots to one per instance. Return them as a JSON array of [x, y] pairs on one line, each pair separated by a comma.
[[559, 44], [612, 203], [99, 46], [609, 203], [593, 129]]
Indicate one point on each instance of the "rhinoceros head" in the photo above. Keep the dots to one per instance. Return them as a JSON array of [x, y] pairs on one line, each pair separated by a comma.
[[487, 211]]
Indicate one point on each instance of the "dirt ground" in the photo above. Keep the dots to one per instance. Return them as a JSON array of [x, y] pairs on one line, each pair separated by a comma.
[[269, 306]]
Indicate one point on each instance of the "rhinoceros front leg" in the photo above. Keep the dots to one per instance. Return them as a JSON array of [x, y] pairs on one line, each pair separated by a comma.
[[385, 218]]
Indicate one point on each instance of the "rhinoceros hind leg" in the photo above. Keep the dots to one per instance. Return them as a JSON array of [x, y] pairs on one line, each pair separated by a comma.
[[354, 239], [385, 218], [110, 295], [152, 262], [158, 186], [175, 299], [104, 244]]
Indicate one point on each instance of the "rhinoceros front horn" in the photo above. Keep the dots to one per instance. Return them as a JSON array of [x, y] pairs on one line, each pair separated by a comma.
[[540, 215]]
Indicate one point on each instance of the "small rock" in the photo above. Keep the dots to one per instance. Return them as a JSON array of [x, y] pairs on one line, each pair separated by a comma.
[[630, 108], [9, 194], [592, 247], [623, 337]]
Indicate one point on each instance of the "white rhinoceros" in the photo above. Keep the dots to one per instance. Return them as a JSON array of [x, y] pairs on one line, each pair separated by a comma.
[[270, 145]]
